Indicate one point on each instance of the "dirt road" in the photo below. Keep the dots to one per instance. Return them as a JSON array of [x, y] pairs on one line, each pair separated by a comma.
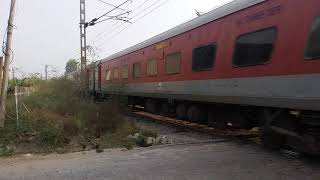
[[191, 156], [208, 161]]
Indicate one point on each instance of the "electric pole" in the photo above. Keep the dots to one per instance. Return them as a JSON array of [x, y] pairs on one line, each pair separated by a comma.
[[1, 72], [83, 41], [13, 78], [83, 30], [7, 59]]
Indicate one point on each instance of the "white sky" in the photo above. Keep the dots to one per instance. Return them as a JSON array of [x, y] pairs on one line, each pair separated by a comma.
[[47, 31]]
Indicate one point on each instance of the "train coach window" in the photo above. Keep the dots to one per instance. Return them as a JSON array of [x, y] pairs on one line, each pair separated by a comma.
[[173, 62], [136, 70], [313, 46], [116, 73], [125, 72], [203, 57], [254, 48], [108, 75], [152, 67]]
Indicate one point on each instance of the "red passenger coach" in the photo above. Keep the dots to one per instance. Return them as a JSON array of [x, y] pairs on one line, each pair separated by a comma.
[[248, 63]]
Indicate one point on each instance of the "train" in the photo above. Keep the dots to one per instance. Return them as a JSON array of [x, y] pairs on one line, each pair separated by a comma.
[[249, 63]]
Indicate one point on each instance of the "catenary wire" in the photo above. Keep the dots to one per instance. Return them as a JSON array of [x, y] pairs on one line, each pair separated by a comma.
[[157, 7], [139, 13], [103, 34]]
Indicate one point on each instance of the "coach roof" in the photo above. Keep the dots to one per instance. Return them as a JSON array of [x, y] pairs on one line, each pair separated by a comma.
[[215, 14]]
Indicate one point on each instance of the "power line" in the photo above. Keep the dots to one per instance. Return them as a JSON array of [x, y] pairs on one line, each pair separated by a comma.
[[152, 11], [141, 5], [94, 20], [140, 12], [116, 7], [117, 17], [146, 9], [111, 5], [135, 21], [115, 23], [97, 38]]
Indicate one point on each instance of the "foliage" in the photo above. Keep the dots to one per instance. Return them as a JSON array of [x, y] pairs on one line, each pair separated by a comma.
[[32, 80], [71, 66], [55, 115], [50, 138], [93, 53], [149, 133]]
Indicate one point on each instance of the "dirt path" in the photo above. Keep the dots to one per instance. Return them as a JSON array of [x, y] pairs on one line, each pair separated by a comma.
[[202, 161], [191, 156]]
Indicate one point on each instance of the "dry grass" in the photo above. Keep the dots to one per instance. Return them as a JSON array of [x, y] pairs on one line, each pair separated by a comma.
[[57, 120]]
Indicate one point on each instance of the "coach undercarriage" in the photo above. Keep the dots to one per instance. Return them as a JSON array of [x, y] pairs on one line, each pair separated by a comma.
[[279, 128]]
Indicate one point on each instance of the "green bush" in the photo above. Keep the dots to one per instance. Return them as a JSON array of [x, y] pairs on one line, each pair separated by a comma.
[[149, 133], [6, 150], [55, 114], [50, 139]]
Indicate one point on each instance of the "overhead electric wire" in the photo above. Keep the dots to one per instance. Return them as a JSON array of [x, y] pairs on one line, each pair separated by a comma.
[[139, 13], [103, 32], [117, 17], [111, 5], [97, 38], [117, 7], [156, 2], [135, 21]]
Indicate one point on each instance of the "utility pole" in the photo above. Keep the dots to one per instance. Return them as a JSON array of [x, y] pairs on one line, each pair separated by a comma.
[[1, 72], [7, 63], [83, 41], [13, 78], [83, 30], [46, 71]]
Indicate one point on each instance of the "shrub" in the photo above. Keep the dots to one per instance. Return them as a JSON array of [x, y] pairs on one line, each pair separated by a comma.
[[149, 133], [50, 139], [56, 114]]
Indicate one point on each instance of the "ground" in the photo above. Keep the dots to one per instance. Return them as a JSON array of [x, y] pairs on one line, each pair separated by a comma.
[[190, 156], [214, 160]]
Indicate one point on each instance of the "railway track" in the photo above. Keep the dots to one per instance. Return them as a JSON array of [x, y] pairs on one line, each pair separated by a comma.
[[236, 135], [228, 133]]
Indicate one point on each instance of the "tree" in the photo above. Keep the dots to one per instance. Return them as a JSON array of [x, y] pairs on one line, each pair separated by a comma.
[[92, 54], [71, 66]]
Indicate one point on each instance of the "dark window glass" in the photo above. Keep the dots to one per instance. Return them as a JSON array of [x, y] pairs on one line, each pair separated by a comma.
[[313, 47], [203, 57], [254, 48]]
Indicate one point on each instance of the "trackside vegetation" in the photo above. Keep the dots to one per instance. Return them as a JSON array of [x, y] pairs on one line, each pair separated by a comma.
[[55, 119]]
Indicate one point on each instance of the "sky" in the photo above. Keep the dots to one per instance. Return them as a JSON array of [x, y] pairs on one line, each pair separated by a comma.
[[47, 31]]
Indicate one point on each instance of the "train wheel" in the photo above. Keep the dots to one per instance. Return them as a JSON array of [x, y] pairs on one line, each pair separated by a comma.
[[278, 118], [196, 114], [216, 119], [181, 111], [211, 119], [238, 120], [271, 139], [221, 124], [151, 106], [165, 109]]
